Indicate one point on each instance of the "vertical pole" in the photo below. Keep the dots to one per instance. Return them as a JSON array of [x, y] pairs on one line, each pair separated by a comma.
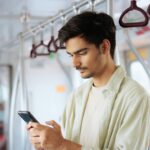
[[13, 108], [24, 98], [110, 7], [111, 13], [92, 4], [136, 53]]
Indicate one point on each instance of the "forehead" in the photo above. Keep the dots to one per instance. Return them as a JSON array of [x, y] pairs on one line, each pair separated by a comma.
[[76, 43]]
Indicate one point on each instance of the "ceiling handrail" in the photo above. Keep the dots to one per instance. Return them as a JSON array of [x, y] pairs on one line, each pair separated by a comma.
[[34, 52], [35, 29], [59, 44], [133, 6], [51, 43], [48, 46], [52, 40]]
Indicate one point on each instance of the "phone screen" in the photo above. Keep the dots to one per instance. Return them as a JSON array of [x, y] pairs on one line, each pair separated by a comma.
[[27, 116]]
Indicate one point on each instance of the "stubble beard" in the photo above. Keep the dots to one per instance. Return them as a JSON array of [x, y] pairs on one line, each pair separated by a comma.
[[86, 76]]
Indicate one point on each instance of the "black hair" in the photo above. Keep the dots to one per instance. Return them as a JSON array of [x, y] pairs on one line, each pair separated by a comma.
[[93, 27]]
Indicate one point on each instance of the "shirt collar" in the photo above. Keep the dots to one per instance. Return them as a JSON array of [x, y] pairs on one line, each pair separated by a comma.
[[116, 79]]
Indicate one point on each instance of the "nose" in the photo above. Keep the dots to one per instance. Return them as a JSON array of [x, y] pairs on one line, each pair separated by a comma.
[[76, 61]]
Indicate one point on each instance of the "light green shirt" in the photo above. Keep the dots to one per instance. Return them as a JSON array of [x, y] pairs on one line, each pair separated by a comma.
[[126, 122]]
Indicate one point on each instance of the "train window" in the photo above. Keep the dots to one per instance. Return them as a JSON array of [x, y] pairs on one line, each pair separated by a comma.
[[138, 73]]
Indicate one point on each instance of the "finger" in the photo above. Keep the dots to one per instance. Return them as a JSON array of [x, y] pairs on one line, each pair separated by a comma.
[[55, 125], [38, 146], [35, 140], [34, 132], [35, 125], [29, 126]]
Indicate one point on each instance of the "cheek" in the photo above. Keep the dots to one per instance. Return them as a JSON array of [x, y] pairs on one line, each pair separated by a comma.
[[89, 62], [97, 62]]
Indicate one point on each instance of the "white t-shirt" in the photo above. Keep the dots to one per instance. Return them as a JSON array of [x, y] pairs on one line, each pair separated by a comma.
[[95, 112]]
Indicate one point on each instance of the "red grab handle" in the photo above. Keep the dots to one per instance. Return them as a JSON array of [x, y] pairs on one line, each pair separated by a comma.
[[133, 6]]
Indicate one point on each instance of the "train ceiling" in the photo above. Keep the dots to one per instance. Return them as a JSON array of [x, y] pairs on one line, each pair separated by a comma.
[[18, 15]]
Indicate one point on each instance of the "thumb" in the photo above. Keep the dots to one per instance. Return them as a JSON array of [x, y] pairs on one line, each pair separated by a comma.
[[55, 125]]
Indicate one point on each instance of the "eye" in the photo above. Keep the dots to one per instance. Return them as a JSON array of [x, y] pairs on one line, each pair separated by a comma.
[[70, 55], [83, 53]]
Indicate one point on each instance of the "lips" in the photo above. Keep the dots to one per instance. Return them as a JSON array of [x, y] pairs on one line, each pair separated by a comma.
[[78, 68], [81, 70]]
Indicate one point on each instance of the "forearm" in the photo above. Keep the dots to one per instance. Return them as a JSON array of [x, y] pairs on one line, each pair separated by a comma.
[[69, 145]]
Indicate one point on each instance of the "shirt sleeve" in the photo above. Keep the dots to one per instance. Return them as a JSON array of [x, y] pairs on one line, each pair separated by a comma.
[[134, 132]]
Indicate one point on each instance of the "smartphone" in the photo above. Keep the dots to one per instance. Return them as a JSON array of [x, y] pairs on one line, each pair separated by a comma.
[[27, 116]]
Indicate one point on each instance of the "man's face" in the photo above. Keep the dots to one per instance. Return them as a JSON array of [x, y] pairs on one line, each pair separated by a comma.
[[86, 57]]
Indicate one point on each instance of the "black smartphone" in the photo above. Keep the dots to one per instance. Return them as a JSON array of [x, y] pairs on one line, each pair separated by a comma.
[[27, 116]]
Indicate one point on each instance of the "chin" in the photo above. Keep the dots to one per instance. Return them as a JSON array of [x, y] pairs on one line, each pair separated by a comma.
[[86, 76]]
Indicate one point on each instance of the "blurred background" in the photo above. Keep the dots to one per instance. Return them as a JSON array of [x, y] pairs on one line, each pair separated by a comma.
[[40, 78]]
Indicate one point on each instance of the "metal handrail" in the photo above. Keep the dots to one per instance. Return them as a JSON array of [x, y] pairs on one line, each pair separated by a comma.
[[134, 50], [36, 29]]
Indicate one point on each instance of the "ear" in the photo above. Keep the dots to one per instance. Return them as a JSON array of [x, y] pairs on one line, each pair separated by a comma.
[[105, 46]]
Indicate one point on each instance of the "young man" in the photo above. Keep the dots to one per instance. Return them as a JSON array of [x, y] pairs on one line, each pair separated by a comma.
[[108, 112]]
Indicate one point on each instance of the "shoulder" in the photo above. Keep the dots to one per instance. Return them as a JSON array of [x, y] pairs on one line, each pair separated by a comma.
[[133, 92], [132, 100], [134, 87]]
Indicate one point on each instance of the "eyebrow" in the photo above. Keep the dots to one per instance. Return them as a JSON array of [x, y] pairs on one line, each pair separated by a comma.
[[78, 51]]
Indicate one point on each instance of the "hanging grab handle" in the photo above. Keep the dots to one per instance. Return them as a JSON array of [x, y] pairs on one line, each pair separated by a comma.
[[133, 6], [148, 10]]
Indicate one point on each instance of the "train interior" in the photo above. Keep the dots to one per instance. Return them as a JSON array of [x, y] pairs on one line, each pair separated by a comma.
[[40, 78]]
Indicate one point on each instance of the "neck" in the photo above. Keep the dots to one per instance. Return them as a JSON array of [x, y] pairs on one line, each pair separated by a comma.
[[102, 79]]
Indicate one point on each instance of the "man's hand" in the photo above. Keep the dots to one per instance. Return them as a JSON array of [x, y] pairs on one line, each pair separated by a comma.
[[45, 137]]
